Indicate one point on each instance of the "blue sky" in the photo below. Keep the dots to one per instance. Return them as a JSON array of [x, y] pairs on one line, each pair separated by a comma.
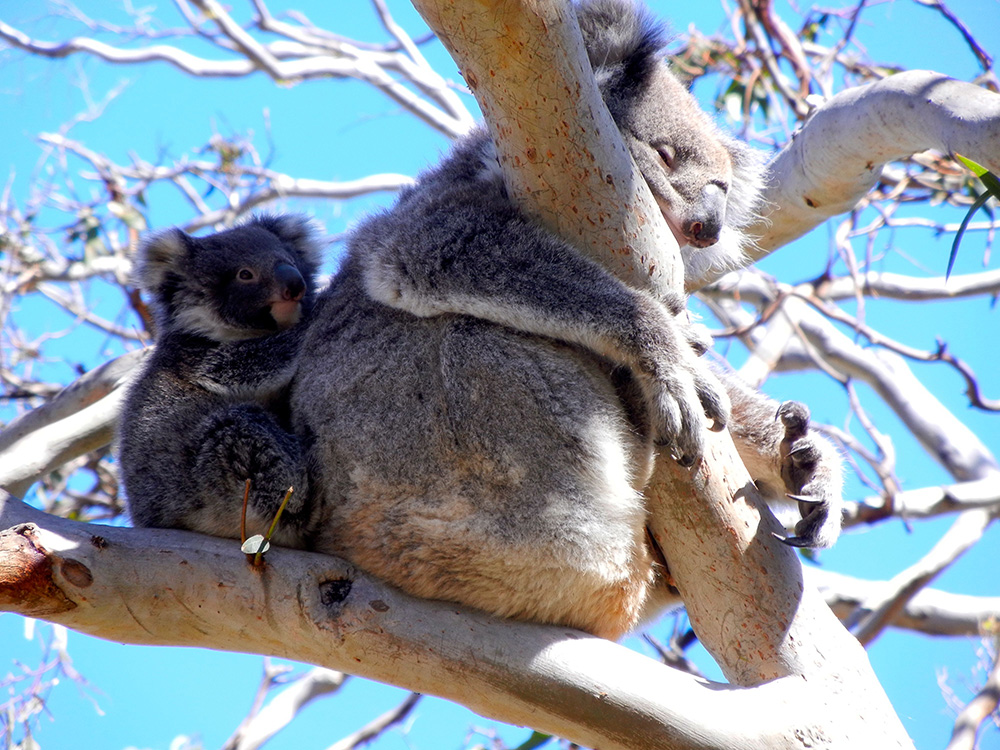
[[345, 130]]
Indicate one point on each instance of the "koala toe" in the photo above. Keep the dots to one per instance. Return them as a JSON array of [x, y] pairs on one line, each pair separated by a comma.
[[677, 422], [698, 338], [819, 527], [714, 399], [794, 415]]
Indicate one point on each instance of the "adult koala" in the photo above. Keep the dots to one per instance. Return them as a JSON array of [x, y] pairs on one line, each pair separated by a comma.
[[484, 404]]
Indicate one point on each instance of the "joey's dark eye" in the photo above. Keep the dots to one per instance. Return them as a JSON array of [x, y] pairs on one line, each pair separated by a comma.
[[246, 274], [667, 154]]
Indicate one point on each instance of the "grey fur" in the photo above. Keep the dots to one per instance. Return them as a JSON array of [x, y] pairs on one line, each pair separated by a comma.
[[483, 403], [209, 409]]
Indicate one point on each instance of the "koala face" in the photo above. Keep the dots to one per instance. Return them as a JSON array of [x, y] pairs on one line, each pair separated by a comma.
[[690, 175], [245, 282], [694, 172], [705, 183]]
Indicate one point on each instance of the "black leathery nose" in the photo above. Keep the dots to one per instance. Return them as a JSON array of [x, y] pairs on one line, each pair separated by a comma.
[[293, 286]]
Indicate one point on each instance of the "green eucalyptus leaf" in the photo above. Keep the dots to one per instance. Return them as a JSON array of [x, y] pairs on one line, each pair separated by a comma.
[[537, 739], [992, 184], [990, 180]]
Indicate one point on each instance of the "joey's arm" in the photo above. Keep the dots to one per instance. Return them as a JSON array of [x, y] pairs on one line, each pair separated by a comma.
[[257, 365]]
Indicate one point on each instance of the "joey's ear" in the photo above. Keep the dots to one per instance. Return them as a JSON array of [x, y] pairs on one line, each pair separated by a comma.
[[160, 254], [297, 232]]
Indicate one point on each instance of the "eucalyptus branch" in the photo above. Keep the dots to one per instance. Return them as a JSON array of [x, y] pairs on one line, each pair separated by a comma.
[[941, 354], [979, 710], [927, 502], [945, 438], [379, 725], [282, 61], [930, 611], [876, 613], [265, 722]]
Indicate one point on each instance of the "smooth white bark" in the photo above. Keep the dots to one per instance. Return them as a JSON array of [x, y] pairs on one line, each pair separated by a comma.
[[177, 588], [837, 156]]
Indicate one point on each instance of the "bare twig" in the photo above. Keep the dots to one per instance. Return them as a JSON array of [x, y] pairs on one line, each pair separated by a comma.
[[376, 727], [979, 709], [264, 723], [930, 611], [876, 614]]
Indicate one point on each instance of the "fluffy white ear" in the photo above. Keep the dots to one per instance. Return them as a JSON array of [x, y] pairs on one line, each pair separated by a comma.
[[159, 254]]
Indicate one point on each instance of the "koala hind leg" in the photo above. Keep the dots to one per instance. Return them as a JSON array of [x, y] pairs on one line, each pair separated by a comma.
[[812, 476], [785, 457], [240, 442]]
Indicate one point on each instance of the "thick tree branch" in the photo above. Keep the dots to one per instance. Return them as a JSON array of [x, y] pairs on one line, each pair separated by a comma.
[[837, 157], [176, 588], [79, 419], [563, 159]]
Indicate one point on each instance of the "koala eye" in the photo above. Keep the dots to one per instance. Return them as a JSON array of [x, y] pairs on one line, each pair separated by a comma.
[[246, 274], [667, 154]]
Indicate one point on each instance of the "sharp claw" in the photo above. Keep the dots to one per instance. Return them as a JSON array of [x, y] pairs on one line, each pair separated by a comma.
[[800, 449], [804, 499], [792, 541], [798, 542]]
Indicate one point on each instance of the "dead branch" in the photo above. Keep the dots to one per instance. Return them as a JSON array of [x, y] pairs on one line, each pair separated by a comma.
[[930, 611], [978, 711]]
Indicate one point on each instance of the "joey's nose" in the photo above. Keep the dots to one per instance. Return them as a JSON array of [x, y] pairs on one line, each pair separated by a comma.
[[293, 286], [704, 225]]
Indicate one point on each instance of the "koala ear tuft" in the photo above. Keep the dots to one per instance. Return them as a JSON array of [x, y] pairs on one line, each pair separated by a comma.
[[160, 254], [623, 40], [297, 231]]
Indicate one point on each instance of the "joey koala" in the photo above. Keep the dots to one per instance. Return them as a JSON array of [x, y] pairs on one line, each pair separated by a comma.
[[209, 410], [483, 404]]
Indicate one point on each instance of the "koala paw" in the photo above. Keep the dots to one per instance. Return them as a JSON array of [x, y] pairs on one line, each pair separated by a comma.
[[683, 394], [810, 468], [244, 442]]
